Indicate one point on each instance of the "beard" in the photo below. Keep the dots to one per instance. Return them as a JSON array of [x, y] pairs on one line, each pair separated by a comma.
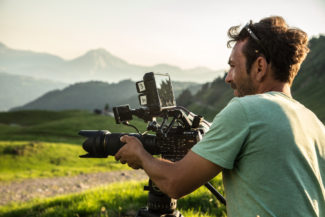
[[244, 87]]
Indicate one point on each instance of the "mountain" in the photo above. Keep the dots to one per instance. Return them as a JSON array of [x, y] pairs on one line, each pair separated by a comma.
[[28, 63], [96, 64], [308, 87], [207, 99], [95, 95], [16, 90]]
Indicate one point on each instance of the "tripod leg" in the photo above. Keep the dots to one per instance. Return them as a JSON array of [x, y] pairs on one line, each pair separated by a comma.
[[215, 193]]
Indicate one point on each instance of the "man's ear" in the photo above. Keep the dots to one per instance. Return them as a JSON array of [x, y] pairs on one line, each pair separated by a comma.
[[260, 68]]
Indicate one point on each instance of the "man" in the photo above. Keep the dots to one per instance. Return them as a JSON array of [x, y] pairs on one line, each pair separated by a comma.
[[269, 147]]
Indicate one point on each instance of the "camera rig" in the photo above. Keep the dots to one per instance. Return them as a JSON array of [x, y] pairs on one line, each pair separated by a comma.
[[176, 130]]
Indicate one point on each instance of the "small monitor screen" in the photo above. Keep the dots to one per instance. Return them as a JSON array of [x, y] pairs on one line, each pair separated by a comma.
[[165, 90]]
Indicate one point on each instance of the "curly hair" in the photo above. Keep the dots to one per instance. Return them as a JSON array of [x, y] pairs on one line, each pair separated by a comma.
[[285, 48]]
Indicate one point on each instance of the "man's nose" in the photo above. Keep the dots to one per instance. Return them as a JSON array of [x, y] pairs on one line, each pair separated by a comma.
[[228, 78]]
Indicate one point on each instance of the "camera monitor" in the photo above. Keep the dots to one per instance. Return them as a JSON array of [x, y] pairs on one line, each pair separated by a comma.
[[156, 91]]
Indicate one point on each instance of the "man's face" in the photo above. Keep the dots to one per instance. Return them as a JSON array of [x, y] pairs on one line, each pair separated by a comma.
[[237, 76]]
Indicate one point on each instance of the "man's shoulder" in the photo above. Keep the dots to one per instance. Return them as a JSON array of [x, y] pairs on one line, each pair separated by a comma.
[[239, 105], [258, 97], [272, 104], [263, 106], [248, 101], [265, 99]]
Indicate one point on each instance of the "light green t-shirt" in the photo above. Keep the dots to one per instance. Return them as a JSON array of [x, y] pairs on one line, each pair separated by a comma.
[[272, 150]]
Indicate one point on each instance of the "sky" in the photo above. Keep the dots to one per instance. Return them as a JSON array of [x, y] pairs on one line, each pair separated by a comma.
[[184, 33]]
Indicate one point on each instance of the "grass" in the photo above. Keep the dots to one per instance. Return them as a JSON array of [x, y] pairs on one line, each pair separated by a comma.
[[114, 200], [51, 126], [20, 160], [46, 144]]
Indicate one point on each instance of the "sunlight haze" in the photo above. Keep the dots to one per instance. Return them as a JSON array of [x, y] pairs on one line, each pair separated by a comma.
[[183, 33]]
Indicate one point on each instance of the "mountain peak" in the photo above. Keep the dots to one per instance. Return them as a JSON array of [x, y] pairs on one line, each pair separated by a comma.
[[101, 51], [99, 60]]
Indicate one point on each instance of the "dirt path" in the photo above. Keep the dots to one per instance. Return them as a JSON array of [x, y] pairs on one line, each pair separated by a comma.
[[48, 187]]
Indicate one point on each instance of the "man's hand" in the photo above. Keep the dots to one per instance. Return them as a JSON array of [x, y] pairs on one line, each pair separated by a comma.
[[132, 152]]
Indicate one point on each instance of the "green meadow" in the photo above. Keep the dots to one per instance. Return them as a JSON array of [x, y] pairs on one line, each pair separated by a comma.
[[118, 199], [21, 159], [58, 127], [36, 144]]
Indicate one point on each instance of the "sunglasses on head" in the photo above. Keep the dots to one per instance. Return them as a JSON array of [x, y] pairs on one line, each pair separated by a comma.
[[258, 41]]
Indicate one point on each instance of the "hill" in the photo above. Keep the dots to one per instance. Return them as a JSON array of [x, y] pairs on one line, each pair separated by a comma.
[[53, 126], [84, 96], [96, 64], [209, 100], [308, 87], [95, 94], [17, 90]]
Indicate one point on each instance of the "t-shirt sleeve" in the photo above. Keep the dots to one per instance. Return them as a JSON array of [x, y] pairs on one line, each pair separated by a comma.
[[226, 136]]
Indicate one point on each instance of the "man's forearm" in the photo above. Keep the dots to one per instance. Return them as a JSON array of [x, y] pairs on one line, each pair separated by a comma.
[[177, 179], [173, 178], [162, 172]]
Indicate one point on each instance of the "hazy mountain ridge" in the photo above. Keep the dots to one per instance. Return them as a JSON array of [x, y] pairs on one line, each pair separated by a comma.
[[17, 89], [96, 64], [29, 63], [27, 66]]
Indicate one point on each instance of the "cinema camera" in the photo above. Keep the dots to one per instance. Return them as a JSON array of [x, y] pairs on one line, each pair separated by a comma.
[[176, 131]]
